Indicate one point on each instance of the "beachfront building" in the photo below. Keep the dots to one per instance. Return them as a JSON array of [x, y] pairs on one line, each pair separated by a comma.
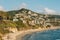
[[48, 25]]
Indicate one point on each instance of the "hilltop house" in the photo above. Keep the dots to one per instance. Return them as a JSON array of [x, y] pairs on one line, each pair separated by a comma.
[[34, 14], [24, 21], [29, 12], [15, 19], [32, 22]]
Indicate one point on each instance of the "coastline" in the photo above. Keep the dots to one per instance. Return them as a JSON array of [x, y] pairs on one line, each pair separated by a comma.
[[20, 34]]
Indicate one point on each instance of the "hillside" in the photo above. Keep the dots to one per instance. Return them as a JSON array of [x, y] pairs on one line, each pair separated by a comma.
[[30, 18], [24, 19], [28, 14]]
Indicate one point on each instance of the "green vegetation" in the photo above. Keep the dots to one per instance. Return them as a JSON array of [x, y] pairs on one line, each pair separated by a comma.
[[4, 26], [20, 25], [6, 20]]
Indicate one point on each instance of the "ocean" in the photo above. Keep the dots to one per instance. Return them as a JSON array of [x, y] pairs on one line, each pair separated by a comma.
[[45, 35]]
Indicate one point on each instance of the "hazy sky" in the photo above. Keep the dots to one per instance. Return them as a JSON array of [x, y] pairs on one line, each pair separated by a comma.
[[35, 5]]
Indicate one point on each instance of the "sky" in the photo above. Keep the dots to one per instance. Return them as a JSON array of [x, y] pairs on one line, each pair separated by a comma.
[[49, 6]]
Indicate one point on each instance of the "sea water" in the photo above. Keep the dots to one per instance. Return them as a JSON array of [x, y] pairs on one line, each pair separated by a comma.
[[45, 35]]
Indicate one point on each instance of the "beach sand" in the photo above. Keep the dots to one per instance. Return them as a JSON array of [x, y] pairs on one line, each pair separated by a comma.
[[20, 34]]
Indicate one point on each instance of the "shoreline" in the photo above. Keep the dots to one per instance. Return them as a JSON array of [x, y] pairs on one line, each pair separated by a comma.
[[20, 34]]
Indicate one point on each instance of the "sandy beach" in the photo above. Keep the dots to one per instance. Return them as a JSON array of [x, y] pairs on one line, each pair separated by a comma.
[[20, 34]]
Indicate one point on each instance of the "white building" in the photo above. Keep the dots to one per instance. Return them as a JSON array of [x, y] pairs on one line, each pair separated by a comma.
[[29, 12], [32, 22], [15, 19], [34, 14], [24, 21]]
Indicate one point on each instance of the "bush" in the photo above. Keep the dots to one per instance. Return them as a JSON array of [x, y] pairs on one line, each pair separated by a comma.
[[20, 24]]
